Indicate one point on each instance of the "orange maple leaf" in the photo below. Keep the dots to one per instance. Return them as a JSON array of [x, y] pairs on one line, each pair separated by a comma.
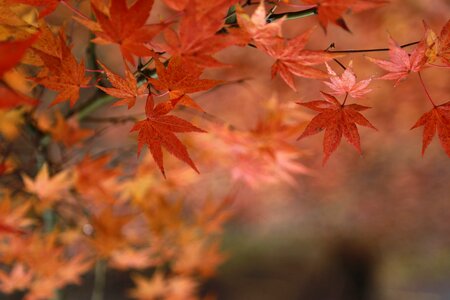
[[63, 74], [124, 26], [262, 33], [438, 47], [437, 119], [181, 78], [125, 89], [198, 37], [333, 10], [48, 6], [292, 59], [337, 119], [158, 130], [19, 278], [87, 173], [47, 189], [401, 63]]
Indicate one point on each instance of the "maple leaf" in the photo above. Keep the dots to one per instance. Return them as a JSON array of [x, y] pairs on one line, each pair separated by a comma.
[[48, 6], [401, 64], [333, 10], [262, 33], [11, 99], [125, 89], [158, 130], [198, 38], [12, 52], [13, 217], [18, 279], [177, 4], [437, 119], [129, 258], [66, 75], [124, 26], [292, 59], [159, 287], [47, 189], [154, 288], [337, 119], [10, 122], [438, 47], [65, 131], [4, 228], [87, 173], [109, 234], [346, 83], [181, 78]]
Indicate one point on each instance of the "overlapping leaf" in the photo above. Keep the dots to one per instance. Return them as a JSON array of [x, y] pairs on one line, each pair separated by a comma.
[[126, 89], [292, 59], [63, 74], [332, 11], [48, 6], [158, 130], [438, 47], [263, 34], [179, 79], [198, 38], [124, 26], [12, 52]]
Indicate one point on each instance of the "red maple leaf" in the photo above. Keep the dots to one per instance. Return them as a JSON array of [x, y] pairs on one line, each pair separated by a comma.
[[124, 26], [332, 11], [337, 119], [437, 119], [125, 89], [158, 130], [401, 63], [11, 99], [9, 229], [12, 52], [292, 59], [181, 78]]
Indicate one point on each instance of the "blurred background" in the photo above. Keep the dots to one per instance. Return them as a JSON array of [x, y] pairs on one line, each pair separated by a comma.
[[375, 226]]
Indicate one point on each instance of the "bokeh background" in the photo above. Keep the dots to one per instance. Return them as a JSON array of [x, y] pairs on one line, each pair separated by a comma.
[[375, 226]]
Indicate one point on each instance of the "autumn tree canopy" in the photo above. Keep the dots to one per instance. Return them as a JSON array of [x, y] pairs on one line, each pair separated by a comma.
[[84, 207]]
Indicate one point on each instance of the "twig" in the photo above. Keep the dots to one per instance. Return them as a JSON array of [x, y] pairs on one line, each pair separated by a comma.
[[368, 50]]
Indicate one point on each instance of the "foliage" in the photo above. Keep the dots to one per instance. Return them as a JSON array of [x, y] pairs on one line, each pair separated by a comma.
[[65, 198]]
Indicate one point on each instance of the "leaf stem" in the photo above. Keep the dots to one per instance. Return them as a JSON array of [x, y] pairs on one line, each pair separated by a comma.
[[293, 15], [345, 99], [369, 50], [74, 10], [426, 90]]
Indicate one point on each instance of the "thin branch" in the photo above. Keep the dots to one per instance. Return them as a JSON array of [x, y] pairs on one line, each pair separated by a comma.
[[114, 120], [368, 50], [74, 10]]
